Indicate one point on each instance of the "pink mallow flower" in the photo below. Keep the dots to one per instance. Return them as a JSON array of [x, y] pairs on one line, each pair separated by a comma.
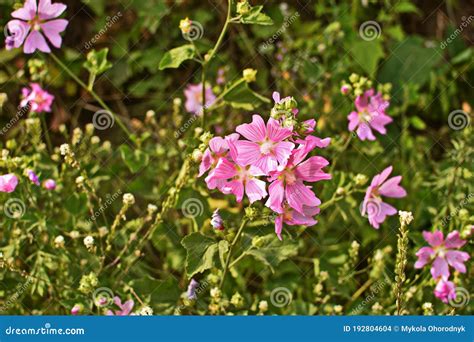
[[125, 308], [265, 147], [445, 290], [37, 98], [32, 23], [193, 94], [370, 115], [288, 180], [373, 205], [442, 253], [8, 182], [293, 218], [238, 178]]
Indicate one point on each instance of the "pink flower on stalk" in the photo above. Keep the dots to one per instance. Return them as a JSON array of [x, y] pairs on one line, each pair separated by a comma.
[[8, 182], [370, 115], [442, 253], [265, 147], [288, 180], [33, 22], [49, 184], [373, 205], [193, 94], [238, 178], [125, 308], [293, 218], [445, 290], [37, 98]]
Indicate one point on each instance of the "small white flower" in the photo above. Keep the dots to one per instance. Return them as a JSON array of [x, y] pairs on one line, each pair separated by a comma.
[[95, 140], [151, 208], [263, 306], [215, 292], [59, 241], [150, 114], [80, 180], [146, 311], [89, 242], [65, 149], [74, 234], [128, 199], [405, 217]]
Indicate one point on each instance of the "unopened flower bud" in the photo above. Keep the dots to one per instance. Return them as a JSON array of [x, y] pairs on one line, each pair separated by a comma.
[[216, 221], [128, 199], [250, 75]]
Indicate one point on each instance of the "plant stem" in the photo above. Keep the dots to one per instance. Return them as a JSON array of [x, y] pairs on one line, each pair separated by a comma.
[[208, 58], [93, 94], [46, 133], [344, 147], [231, 247], [400, 266]]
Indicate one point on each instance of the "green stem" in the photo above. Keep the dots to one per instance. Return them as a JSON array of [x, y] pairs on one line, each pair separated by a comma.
[[46, 133], [231, 247], [93, 93], [209, 57], [224, 93], [223, 32], [344, 147]]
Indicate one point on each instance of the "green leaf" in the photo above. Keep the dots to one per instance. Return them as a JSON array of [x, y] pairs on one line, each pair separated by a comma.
[[134, 159], [255, 16], [273, 251], [223, 249], [76, 204], [410, 62], [367, 54], [241, 96], [175, 57], [200, 252]]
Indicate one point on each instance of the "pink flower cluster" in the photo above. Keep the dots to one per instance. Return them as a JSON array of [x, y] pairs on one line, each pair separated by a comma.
[[370, 115], [374, 206], [38, 99], [33, 22], [193, 94], [262, 154], [443, 254]]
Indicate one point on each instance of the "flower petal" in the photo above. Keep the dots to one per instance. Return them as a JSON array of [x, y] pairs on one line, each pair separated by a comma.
[[35, 40], [27, 12], [391, 188], [453, 240], [456, 259], [47, 10], [52, 30], [440, 269], [255, 189], [255, 131]]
